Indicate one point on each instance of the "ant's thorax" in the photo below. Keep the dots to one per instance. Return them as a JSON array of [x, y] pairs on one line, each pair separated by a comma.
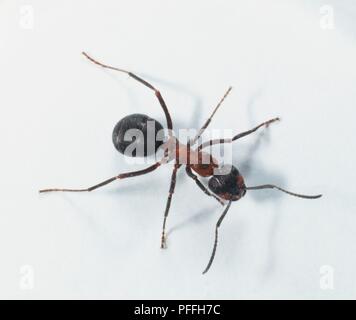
[[201, 162]]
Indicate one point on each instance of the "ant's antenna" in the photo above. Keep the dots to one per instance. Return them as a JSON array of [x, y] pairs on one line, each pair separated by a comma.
[[216, 236], [271, 186]]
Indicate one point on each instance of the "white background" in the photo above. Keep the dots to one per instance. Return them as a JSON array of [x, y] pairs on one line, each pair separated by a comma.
[[58, 111]]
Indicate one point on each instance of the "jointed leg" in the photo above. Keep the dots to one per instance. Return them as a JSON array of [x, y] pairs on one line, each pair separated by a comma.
[[192, 141], [200, 185], [144, 82], [238, 136], [168, 205], [216, 237], [118, 177]]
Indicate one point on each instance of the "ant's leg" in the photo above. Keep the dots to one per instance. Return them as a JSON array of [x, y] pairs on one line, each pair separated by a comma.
[[168, 205], [192, 141], [238, 136], [216, 237], [119, 177], [145, 83], [200, 185]]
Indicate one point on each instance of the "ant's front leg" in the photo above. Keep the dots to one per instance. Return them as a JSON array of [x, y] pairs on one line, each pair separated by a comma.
[[200, 185]]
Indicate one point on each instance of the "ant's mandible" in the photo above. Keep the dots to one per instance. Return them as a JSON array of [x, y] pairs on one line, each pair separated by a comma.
[[226, 184]]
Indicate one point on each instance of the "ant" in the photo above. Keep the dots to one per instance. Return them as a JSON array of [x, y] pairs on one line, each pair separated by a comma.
[[225, 184]]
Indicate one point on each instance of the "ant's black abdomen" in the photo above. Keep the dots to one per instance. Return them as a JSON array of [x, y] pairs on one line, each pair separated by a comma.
[[136, 135], [227, 183]]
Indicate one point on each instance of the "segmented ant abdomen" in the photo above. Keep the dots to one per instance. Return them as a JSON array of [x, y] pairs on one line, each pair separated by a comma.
[[137, 135], [227, 183]]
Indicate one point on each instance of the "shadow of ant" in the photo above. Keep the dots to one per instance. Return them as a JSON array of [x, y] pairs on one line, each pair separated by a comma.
[[256, 173], [197, 101], [201, 215], [135, 105], [253, 171], [90, 217]]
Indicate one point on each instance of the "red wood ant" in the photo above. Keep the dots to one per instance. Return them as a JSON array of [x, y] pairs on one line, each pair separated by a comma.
[[224, 185]]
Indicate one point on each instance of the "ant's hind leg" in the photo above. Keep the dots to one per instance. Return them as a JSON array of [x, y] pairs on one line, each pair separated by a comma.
[[145, 83], [101, 184]]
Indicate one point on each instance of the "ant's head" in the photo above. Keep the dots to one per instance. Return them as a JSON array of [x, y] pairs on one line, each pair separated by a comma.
[[137, 135], [227, 183]]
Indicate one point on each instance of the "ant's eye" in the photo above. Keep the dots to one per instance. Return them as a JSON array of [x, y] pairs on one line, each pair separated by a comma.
[[136, 135]]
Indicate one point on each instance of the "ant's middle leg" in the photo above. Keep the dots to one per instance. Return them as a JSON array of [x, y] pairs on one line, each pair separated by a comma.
[[238, 136]]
